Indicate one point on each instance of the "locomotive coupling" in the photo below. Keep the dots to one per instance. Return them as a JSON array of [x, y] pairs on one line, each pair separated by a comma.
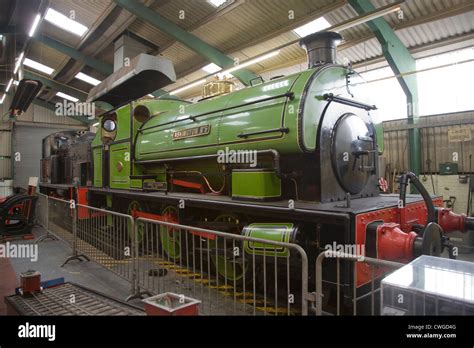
[[451, 222], [387, 241]]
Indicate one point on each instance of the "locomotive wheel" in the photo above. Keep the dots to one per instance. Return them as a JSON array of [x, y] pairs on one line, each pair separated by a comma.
[[170, 237], [135, 205], [230, 268]]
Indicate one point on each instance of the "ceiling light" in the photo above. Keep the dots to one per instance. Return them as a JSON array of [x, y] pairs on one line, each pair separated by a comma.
[[88, 79], [217, 3], [35, 25], [18, 62], [95, 124], [211, 68], [250, 62], [194, 84], [3, 98], [58, 19], [9, 85], [67, 96], [150, 95], [312, 27], [38, 66]]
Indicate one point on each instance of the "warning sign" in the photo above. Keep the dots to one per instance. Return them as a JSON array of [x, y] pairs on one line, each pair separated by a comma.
[[457, 135]]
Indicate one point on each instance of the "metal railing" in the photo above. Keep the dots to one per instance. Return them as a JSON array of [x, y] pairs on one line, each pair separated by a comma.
[[42, 210], [215, 268], [377, 266], [105, 237], [60, 219]]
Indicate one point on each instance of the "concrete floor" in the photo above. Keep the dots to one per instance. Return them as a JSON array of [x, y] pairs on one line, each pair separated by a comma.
[[53, 253]]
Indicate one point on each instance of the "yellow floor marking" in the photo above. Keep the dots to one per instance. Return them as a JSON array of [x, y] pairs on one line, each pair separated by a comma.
[[221, 287], [204, 281], [250, 300], [278, 310]]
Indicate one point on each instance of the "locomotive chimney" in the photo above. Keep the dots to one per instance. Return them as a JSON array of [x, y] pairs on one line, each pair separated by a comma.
[[321, 47]]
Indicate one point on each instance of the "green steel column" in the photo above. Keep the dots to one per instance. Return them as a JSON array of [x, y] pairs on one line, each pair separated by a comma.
[[193, 42], [401, 61]]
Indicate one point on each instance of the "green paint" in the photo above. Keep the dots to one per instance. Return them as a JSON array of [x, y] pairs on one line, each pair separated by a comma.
[[76, 55], [277, 232], [119, 165], [256, 184], [170, 237], [97, 157], [379, 135], [82, 96]]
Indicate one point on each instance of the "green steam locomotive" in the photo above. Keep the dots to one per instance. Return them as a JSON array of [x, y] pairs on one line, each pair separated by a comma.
[[292, 159]]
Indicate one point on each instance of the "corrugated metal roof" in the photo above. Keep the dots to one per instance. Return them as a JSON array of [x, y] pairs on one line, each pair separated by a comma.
[[45, 55], [251, 27], [86, 12], [246, 22]]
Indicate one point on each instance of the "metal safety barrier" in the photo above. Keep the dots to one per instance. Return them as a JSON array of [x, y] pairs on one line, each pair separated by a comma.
[[59, 221], [41, 215], [105, 237], [376, 267], [230, 274], [216, 268]]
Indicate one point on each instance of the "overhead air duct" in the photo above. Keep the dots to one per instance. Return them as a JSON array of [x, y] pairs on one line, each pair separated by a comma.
[[143, 75]]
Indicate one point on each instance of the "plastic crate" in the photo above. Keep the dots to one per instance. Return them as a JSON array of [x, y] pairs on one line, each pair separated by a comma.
[[429, 286], [171, 304]]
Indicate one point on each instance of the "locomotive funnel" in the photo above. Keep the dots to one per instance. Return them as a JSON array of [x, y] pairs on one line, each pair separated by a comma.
[[321, 47]]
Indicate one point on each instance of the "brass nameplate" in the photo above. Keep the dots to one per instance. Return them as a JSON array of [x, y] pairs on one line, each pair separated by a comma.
[[192, 132]]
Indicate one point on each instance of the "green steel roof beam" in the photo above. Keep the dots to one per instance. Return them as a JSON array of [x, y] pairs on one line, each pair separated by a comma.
[[77, 55], [401, 61], [193, 42], [57, 86]]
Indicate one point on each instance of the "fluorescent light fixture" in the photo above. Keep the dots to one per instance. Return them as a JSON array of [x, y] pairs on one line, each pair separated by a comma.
[[95, 124], [217, 3], [38, 66], [35, 25], [214, 68], [211, 68], [3, 98], [87, 78], [312, 27], [250, 62], [9, 85], [58, 19], [67, 96], [191, 85], [18, 62], [16, 83], [150, 95]]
